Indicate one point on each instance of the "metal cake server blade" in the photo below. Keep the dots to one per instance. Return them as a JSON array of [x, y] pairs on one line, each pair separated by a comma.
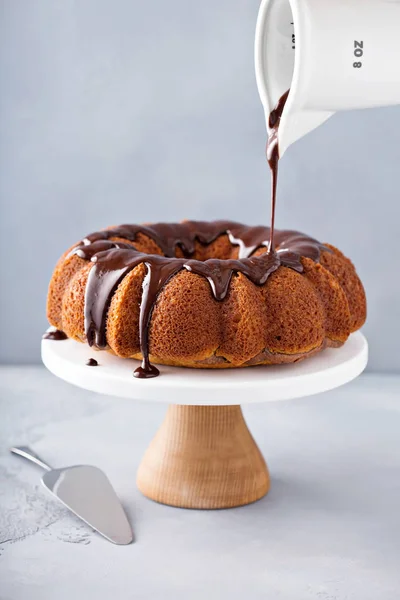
[[88, 493]]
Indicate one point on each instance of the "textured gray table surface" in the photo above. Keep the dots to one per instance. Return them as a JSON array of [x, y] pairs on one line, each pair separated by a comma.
[[328, 530]]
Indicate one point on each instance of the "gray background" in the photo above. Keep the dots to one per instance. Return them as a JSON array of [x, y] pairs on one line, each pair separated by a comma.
[[131, 111]]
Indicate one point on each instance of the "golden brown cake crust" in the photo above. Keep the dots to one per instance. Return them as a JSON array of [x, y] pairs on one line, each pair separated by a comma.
[[299, 310]]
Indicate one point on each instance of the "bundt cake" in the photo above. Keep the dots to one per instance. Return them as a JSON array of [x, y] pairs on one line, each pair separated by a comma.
[[205, 295]]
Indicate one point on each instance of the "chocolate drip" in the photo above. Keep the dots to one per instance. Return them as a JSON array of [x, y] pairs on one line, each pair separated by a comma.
[[146, 372], [114, 260], [273, 158], [92, 362], [55, 334]]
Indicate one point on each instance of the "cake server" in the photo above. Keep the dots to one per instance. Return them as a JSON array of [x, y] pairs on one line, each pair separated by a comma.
[[88, 493]]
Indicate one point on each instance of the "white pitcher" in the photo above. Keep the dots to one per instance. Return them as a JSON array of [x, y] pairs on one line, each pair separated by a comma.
[[332, 54]]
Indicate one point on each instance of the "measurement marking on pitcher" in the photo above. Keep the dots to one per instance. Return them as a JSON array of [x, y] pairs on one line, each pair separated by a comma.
[[293, 40], [358, 53]]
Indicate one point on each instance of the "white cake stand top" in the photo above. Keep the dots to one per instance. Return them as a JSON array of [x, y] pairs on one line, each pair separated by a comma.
[[114, 376]]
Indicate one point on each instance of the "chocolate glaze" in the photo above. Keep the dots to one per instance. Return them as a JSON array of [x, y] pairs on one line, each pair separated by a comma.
[[114, 260], [92, 362], [55, 334], [182, 235]]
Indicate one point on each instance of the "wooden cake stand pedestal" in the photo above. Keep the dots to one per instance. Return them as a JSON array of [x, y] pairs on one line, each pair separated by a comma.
[[203, 455]]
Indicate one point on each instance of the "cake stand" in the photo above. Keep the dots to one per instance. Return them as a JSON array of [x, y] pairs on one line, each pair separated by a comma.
[[203, 455]]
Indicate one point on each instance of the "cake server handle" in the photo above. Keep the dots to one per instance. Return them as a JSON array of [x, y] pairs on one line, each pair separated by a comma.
[[29, 454]]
